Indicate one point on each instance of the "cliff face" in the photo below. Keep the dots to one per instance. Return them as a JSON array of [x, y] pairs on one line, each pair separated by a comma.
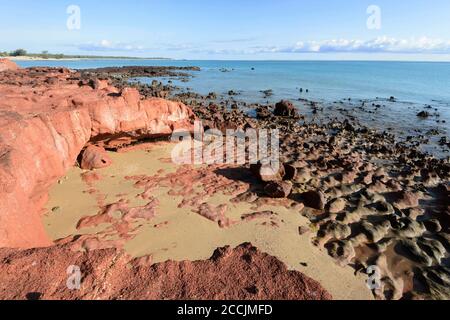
[[47, 116]]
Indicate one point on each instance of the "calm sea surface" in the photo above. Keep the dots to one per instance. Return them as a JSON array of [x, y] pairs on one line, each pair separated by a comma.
[[419, 82], [415, 85]]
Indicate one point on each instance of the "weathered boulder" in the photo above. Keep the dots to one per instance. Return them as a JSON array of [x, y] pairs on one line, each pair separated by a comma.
[[314, 199], [285, 108], [267, 172], [95, 158], [270, 173], [423, 114], [278, 189]]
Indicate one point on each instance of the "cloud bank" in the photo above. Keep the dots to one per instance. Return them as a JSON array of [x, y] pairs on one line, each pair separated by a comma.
[[106, 45], [378, 45], [384, 44]]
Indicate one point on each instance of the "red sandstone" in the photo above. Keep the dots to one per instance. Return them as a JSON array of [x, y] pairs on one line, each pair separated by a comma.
[[230, 274], [6, 64], [46, 118]]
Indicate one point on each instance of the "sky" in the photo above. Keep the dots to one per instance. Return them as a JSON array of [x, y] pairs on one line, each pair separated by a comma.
[[231, 29]]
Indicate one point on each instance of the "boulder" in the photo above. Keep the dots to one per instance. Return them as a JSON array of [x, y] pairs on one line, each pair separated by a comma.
[[95, 158], [290, 172], [423, 114], [278, 189], [314, 199], [266, 172], [285, 108]]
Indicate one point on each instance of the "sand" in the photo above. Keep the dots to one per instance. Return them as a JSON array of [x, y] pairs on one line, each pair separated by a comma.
[[179, 234], [26, 58]]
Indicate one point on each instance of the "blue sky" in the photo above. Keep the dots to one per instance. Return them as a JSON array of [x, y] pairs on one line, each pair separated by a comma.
[[232, 29]]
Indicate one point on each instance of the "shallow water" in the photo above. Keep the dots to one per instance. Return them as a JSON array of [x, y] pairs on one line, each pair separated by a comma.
[[416, 82], [415, 85]]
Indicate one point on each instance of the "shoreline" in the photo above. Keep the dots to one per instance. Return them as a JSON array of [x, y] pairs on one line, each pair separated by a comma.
[[28, 58], [232, 60]]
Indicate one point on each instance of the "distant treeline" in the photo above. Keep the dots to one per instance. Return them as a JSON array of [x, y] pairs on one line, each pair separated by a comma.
[[47, 55]]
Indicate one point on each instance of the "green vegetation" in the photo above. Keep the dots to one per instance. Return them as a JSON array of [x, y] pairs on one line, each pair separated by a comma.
[[18, 53], [47, 55]]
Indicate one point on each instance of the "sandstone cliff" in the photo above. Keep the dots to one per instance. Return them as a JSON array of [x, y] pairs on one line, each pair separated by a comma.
[[47, 116]]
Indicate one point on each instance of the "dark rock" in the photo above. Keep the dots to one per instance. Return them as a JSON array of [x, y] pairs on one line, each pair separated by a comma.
[[314, 199], [423, 114], [303, 230], [286, 108], [263, 113], [278, 189], [267, 93], [290, 172]]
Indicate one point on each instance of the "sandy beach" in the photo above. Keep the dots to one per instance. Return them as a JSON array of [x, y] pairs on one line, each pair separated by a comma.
[[27, 58]]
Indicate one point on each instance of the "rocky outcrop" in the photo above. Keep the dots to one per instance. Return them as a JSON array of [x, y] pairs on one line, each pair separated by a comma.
[[6, 64], [243, 273], [47, 116]]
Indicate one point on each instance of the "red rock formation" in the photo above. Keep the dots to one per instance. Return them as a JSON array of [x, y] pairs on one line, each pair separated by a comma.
[[6, 64], [46, 118], [243, 273]]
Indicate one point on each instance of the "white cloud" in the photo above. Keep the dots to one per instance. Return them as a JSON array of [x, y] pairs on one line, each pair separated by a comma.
[[378, 45], [388, 45], [107, 45]]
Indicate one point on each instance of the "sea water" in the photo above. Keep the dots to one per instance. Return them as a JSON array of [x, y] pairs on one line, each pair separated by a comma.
[[416, 86]]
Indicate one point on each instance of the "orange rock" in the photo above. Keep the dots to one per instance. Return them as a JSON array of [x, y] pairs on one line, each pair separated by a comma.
[[44, 125], [6, 64]]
